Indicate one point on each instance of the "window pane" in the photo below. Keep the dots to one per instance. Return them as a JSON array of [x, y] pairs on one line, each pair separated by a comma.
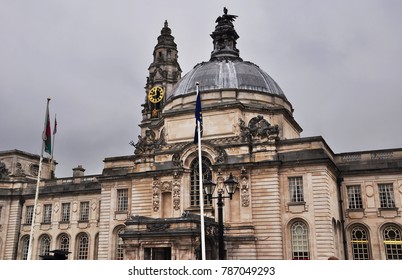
[[119, 246], [122, 200], [354, 197], [65, 212], [47, 213], [44, 245], [392, 243], [164, 253], [386, 192], [299, 234], [25, 246], [195, 180], [29, 214], [83, 248], [296, 189], [64, 242], [84, 211], [360, 244]]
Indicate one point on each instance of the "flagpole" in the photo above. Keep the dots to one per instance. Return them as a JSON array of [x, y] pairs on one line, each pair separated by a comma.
[[201, 186], [30, 244], [54, 137], [201, 194]]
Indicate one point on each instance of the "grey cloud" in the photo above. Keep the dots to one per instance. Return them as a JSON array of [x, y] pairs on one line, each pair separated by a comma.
[[339, 63]]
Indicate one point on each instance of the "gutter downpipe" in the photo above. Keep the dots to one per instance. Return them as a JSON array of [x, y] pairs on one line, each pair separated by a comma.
[[341, 213]]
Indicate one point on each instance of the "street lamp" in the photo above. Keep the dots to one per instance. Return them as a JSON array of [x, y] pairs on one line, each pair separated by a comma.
[[209, 188]]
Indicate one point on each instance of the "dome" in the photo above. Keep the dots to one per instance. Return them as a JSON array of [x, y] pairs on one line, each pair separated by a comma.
[[226, 74]]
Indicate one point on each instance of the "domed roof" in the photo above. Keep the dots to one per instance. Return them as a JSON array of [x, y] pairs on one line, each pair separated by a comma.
[[225, 69], [226, 74]]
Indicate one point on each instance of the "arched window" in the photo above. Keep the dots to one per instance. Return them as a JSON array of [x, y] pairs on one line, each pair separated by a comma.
[[64, 242], [44, 245], [195, 180], [392, 243], [25, 247], [299, 234], [360, 243], [83, 247], [119, 246]]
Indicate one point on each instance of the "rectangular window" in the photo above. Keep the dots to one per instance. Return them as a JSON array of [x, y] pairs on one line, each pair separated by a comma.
[[163, 253], [386, 192], [65, 212], [354, 197], [296, 189], [47, 213], [84, 211], [122, 200], [29, 214]]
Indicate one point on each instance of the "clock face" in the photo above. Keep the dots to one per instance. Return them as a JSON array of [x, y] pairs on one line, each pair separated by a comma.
[[156, 94]]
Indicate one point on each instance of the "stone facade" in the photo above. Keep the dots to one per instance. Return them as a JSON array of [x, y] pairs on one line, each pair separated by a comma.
[[296, 199]]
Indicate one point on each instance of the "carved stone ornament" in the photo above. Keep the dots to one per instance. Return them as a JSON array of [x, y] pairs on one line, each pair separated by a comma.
[[176, 195], [18, 170], [166, 187], [146, 144], [220, 188], [156, 195], [161, 141], [176, 160], [211, 230], [196, 244], [245, 135], [94, 205], [244, 192], [260, 128], [3, 171], [34, 169], [157, 227], [222, 155], [56, 207]]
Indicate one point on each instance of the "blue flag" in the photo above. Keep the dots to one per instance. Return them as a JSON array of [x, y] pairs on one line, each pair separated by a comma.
[[198, 116]]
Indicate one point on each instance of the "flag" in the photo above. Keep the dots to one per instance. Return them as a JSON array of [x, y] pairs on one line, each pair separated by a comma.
[[47, 134], [55, 125], [198, 116]]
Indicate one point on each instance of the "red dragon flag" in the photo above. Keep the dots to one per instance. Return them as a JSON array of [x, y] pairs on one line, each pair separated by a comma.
[[47, 133], [55, 125]]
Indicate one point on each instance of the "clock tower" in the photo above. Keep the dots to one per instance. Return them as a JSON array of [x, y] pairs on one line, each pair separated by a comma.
[[164, 72]]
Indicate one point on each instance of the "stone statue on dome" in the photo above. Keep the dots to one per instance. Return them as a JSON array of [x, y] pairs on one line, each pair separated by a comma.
[[225, 17]]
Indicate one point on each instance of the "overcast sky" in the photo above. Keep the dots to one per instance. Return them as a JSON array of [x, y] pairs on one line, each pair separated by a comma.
[[338, 62]]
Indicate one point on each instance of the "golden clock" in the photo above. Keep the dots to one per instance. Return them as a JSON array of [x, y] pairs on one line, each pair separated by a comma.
[[155, 95]]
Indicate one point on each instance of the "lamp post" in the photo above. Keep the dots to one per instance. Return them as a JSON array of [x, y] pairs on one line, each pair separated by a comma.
[[209, 187]]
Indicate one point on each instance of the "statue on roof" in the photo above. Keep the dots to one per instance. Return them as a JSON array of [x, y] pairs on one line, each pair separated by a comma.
[[224, 38], [225, 17]]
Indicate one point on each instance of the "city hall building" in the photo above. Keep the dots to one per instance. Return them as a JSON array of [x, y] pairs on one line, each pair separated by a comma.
[[295, 198]]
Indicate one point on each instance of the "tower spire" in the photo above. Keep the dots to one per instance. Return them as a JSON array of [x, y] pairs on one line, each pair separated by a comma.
[[164, 71]]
